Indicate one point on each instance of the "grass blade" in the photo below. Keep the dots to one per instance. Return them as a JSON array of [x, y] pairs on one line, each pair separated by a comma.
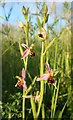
[[43, 112], [60, 114]]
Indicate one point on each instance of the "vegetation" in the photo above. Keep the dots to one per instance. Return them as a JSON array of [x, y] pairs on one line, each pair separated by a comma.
[[55, 49]]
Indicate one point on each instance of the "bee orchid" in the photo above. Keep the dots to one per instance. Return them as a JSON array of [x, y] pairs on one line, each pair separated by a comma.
[[21, 81], [48, 76], [28, 51], [42, 35]]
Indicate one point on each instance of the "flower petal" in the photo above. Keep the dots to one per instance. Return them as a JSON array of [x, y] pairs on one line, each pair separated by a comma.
[[43, 77], [27, 96], [24, 85], [55, 85], [25, 53], [16, 84], [55, 73], [38, 96], [25, 46], [48, 69], [21, 24], [19, 84], [23, 73], [19, 78]]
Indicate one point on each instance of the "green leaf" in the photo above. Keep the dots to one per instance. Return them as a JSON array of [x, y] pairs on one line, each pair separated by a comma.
[[2, 17], [49, 46], [39, 24], [27, 10], [46, 19]]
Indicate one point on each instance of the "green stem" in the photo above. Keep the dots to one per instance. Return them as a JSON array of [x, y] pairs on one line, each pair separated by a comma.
[[49, 46], [55, 94], [41, 63], [23, 105], [56, 98], [26, 60], [43, 112], [46, 60], [42, 82], [46, 44], [26, 32], [56, 54]]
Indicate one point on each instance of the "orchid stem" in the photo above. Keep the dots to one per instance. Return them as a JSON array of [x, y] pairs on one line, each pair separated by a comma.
[[41, 63], [42, 82], [26, 60], [23, 105], [46, 44]]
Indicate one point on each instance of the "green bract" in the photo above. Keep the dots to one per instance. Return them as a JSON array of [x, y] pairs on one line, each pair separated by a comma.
[[25, 12], [45, 9]]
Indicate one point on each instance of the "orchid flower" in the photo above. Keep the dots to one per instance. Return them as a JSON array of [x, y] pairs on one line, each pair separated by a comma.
[[28, 51], [21, 81], [42, 35], [48, 76]]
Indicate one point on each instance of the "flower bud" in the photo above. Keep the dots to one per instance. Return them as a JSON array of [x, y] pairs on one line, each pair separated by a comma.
[[45, 9], [24, 10]]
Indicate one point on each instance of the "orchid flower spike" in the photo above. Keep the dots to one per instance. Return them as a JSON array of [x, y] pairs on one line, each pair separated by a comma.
[[48, 76], [28, 51], [21, 81]]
